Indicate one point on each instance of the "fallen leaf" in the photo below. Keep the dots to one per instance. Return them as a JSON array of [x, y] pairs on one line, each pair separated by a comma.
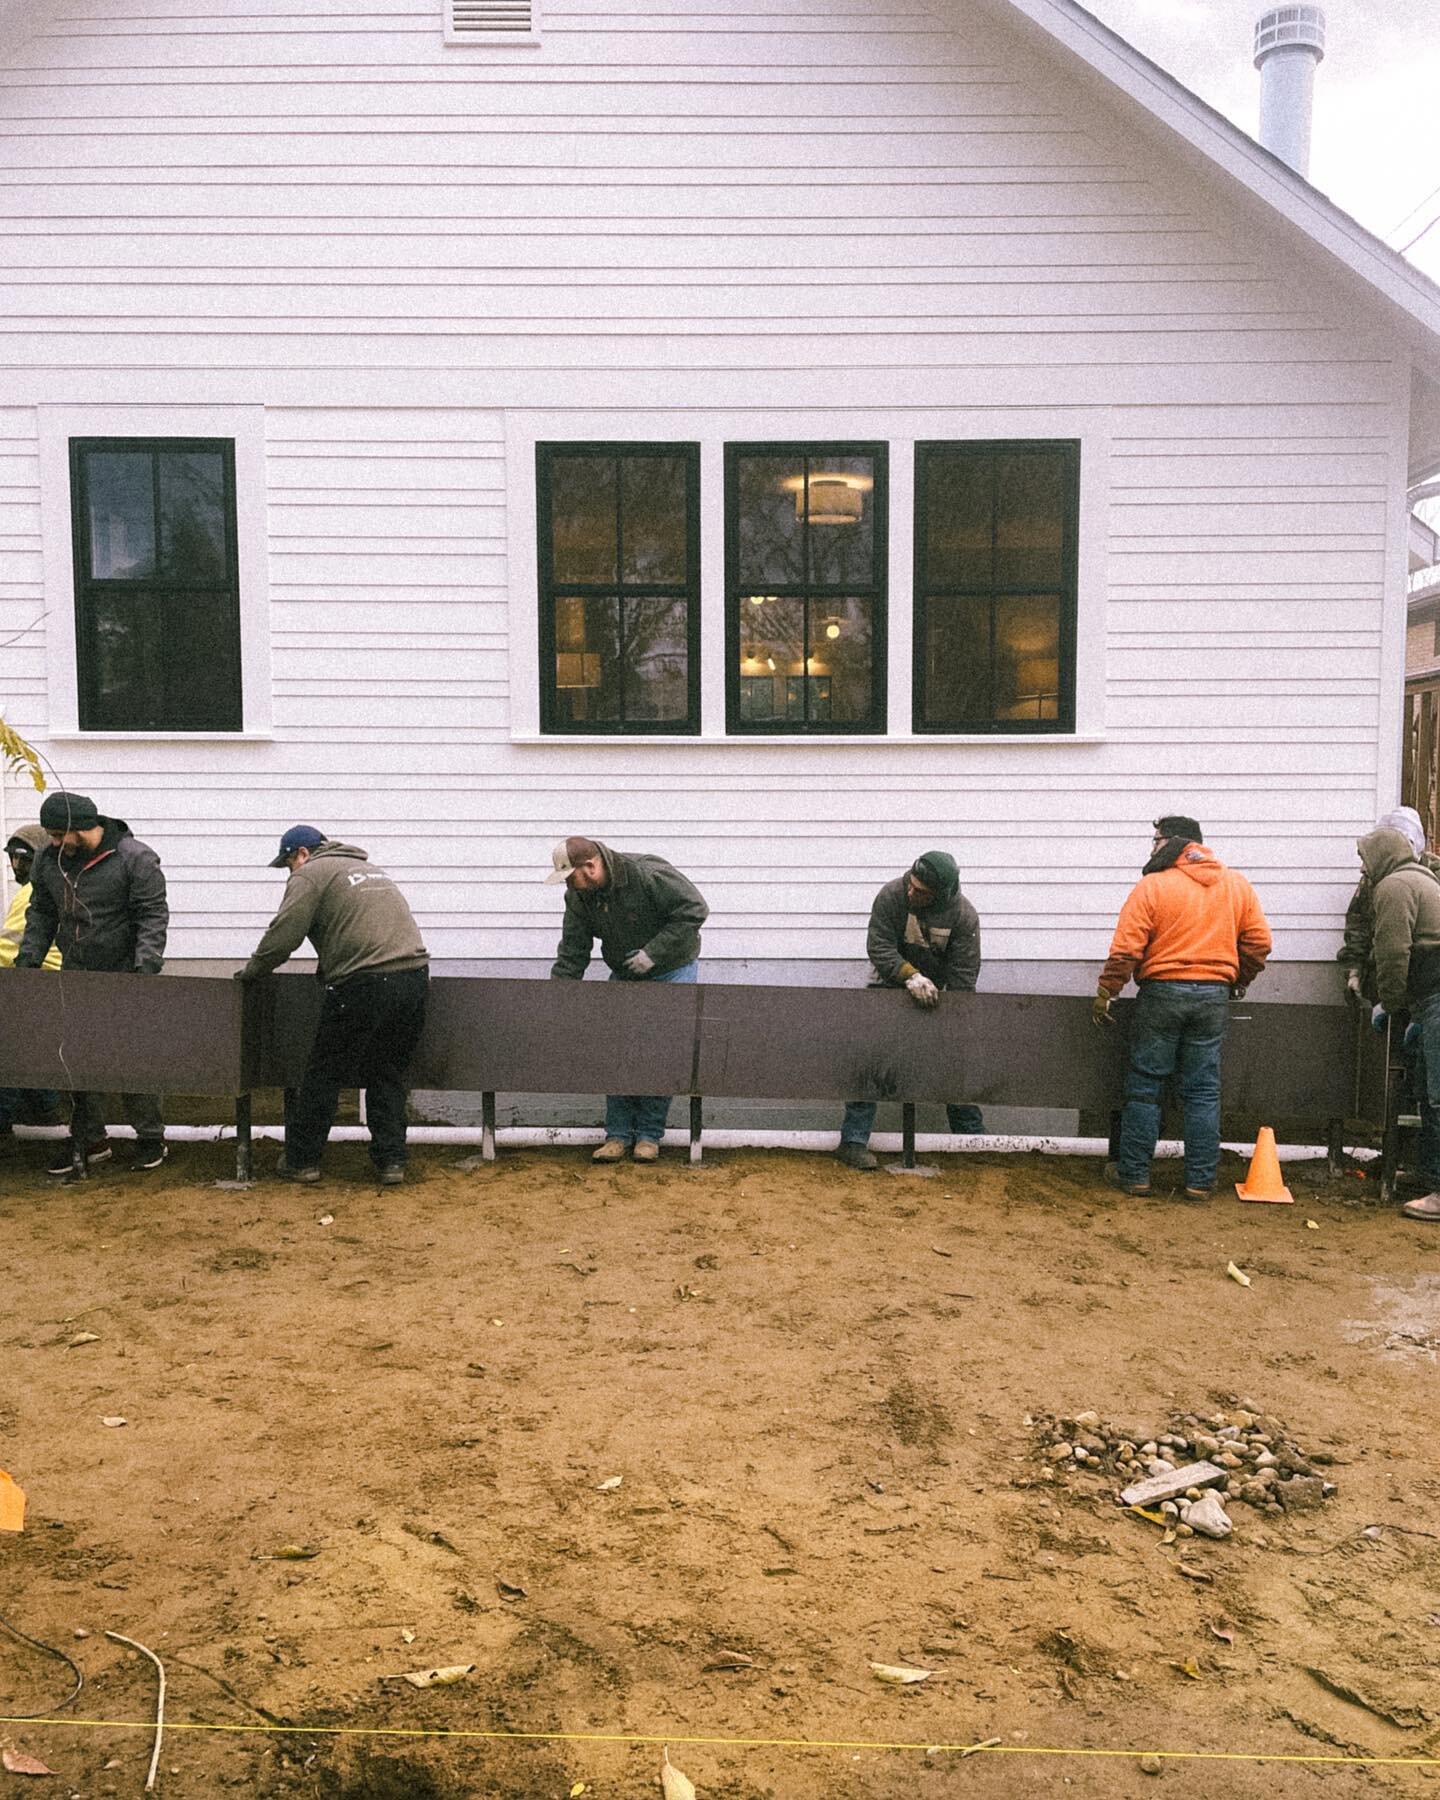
[[327, 1218], [1149, 1512], [1225, 1633], [898, 1672], [428, 1678], [114, 1419], [609, 1484], [509, 1590], [1192, 1574], [1310, 1225], [1189, 1667], [83, 1337], [1434, 1619], [578, 1789], [12, 1504], [728, 1659], [497, 1321], [939, 1252], [296, 1552], [19, 1762], [674, 1784], [1237, 1274], [407, 1636]]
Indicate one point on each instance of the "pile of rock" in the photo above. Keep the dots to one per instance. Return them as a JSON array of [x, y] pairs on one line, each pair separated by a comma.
[[1192, 1472]]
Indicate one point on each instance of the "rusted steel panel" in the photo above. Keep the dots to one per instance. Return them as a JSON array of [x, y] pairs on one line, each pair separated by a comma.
[[73, 1029]]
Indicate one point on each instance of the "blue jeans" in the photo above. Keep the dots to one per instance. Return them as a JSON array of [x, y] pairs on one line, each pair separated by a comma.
[[859, 1121], [636, 1118], [1177, 1029], [18, 1105], [1426, 1014]]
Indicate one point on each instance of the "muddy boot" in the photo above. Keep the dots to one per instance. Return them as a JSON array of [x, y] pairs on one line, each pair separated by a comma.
[[612, 1150]]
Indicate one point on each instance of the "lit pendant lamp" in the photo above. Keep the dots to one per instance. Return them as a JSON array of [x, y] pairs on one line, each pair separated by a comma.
[[834, 500]]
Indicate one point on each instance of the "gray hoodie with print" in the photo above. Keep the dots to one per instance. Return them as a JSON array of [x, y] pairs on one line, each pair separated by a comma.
[[352, 913]]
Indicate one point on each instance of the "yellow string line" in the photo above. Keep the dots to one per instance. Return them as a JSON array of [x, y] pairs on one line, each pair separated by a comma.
[[739, 1743]]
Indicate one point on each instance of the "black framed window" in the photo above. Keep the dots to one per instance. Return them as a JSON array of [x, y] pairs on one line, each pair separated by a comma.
[[619, 558], [805, 560], [157, 595], [996, 528]]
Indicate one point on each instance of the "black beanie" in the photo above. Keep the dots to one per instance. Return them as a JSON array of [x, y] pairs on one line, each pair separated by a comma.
[[68, 812], [1179, 825]]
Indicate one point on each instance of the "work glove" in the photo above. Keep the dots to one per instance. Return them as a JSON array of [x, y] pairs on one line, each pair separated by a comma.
[[1412, 1034], [638, 965], [1352, 984], [1379, 1020], [1100, 1008], [923, 991]]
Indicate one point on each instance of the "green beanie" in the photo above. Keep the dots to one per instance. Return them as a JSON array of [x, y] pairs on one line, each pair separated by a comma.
[[939, 872]]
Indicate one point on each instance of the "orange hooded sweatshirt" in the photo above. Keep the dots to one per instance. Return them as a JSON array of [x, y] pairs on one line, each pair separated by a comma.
[[1195, 921]]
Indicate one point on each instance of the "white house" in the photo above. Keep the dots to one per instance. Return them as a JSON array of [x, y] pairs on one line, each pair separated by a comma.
[[786, 440]]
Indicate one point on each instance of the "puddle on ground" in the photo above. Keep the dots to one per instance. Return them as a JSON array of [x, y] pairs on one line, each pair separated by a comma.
[[1406, 1324]]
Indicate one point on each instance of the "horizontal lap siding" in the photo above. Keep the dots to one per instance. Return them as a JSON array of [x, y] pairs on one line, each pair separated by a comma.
[[852, 205]]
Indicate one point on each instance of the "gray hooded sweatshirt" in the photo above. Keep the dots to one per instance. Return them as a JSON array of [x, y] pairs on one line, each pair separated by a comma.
[[352, 913], [1407, 920]]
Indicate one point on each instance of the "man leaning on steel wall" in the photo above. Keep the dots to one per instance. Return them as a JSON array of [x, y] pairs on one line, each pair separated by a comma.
[[98, 896], [647, 917]]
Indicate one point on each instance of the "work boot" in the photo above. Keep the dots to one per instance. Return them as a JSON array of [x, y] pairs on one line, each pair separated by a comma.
[[285, 1172], [856, 1156], [391, 1174], [99, 1151], [1114, 1179], [646, 1150], [1427, 1207], [149, 1155], [612, 1150]]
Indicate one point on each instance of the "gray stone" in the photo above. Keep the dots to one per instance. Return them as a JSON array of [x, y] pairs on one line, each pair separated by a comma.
[[1207, 1515], [1303, 1493], [1170, 1486]]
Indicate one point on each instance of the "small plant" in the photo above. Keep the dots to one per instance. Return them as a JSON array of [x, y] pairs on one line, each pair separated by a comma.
[[20, 756]]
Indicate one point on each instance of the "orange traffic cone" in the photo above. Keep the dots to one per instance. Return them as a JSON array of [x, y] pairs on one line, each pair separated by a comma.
[[1265, 1182]]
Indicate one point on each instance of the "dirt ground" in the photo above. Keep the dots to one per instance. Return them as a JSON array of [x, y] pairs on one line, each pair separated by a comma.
[[814, 1384]]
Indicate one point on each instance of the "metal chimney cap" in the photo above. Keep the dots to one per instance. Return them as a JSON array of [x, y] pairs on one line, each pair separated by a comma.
[[1290, 28]]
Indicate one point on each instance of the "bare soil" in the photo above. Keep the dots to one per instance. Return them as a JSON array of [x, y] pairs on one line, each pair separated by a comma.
[[814, 1384]]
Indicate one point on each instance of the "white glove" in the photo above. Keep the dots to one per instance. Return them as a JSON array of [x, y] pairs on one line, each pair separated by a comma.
[[1352, 983], [638, 964], [923, 991]]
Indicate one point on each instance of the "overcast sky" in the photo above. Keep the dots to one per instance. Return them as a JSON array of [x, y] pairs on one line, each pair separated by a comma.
[[1375, 147]]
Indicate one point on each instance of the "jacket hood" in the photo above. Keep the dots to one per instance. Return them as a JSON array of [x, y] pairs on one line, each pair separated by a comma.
[[35, 837], [1200, 864], [1382, 852], [1408, 823], [332, 847]]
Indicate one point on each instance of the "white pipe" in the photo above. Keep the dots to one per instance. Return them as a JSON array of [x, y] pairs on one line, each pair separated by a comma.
[[537, 1137]]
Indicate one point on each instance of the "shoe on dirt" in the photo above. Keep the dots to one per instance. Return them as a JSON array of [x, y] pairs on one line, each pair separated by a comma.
[[856, 1156], [309, 1176], [612, 1150], [65, 1161], [150, 1156]]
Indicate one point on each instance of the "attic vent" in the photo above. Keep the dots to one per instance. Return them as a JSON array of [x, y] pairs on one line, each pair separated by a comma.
[[492, 21]]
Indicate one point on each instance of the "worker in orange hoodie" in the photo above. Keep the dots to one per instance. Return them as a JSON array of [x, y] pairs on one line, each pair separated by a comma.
[[1192, 934]]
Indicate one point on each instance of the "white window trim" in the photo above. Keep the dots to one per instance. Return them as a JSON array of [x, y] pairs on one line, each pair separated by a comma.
[[712, 431], [491, 40], [245, 427]]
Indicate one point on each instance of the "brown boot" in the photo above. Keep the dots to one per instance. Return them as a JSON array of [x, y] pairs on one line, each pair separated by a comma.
[[646, 1150], [612, 1150]]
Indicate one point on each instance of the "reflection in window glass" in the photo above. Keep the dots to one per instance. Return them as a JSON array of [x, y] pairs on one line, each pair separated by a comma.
[[192, 517], [995, 586], [805, 588], [619, 574], [121, 494]]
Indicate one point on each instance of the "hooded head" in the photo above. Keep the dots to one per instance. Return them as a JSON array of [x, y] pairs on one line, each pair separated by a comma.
[[938, 871], [1382, 852], [1407, 822]]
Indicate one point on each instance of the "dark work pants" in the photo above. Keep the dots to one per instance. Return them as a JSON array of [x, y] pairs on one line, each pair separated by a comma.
[[369, 1027], [87, 1117]]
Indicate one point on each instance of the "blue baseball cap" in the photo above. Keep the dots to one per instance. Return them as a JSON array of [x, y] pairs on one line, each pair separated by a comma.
[[298, 837]]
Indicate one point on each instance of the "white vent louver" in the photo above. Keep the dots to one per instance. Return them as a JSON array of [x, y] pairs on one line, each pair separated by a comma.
[[491, 21]]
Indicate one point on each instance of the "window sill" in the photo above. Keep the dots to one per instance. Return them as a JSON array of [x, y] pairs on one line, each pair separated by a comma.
[[159, 737], [832, 740]]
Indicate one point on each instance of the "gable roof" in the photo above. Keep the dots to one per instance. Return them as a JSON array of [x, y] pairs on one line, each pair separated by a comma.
[[1410, 298]]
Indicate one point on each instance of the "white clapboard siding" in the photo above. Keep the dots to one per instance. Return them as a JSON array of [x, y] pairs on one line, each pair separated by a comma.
[[878, 209]]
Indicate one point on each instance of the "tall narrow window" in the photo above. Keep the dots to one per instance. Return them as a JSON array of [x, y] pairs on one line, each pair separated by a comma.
[[995, 553], [157, 605], [619, 587], [805, 559]]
